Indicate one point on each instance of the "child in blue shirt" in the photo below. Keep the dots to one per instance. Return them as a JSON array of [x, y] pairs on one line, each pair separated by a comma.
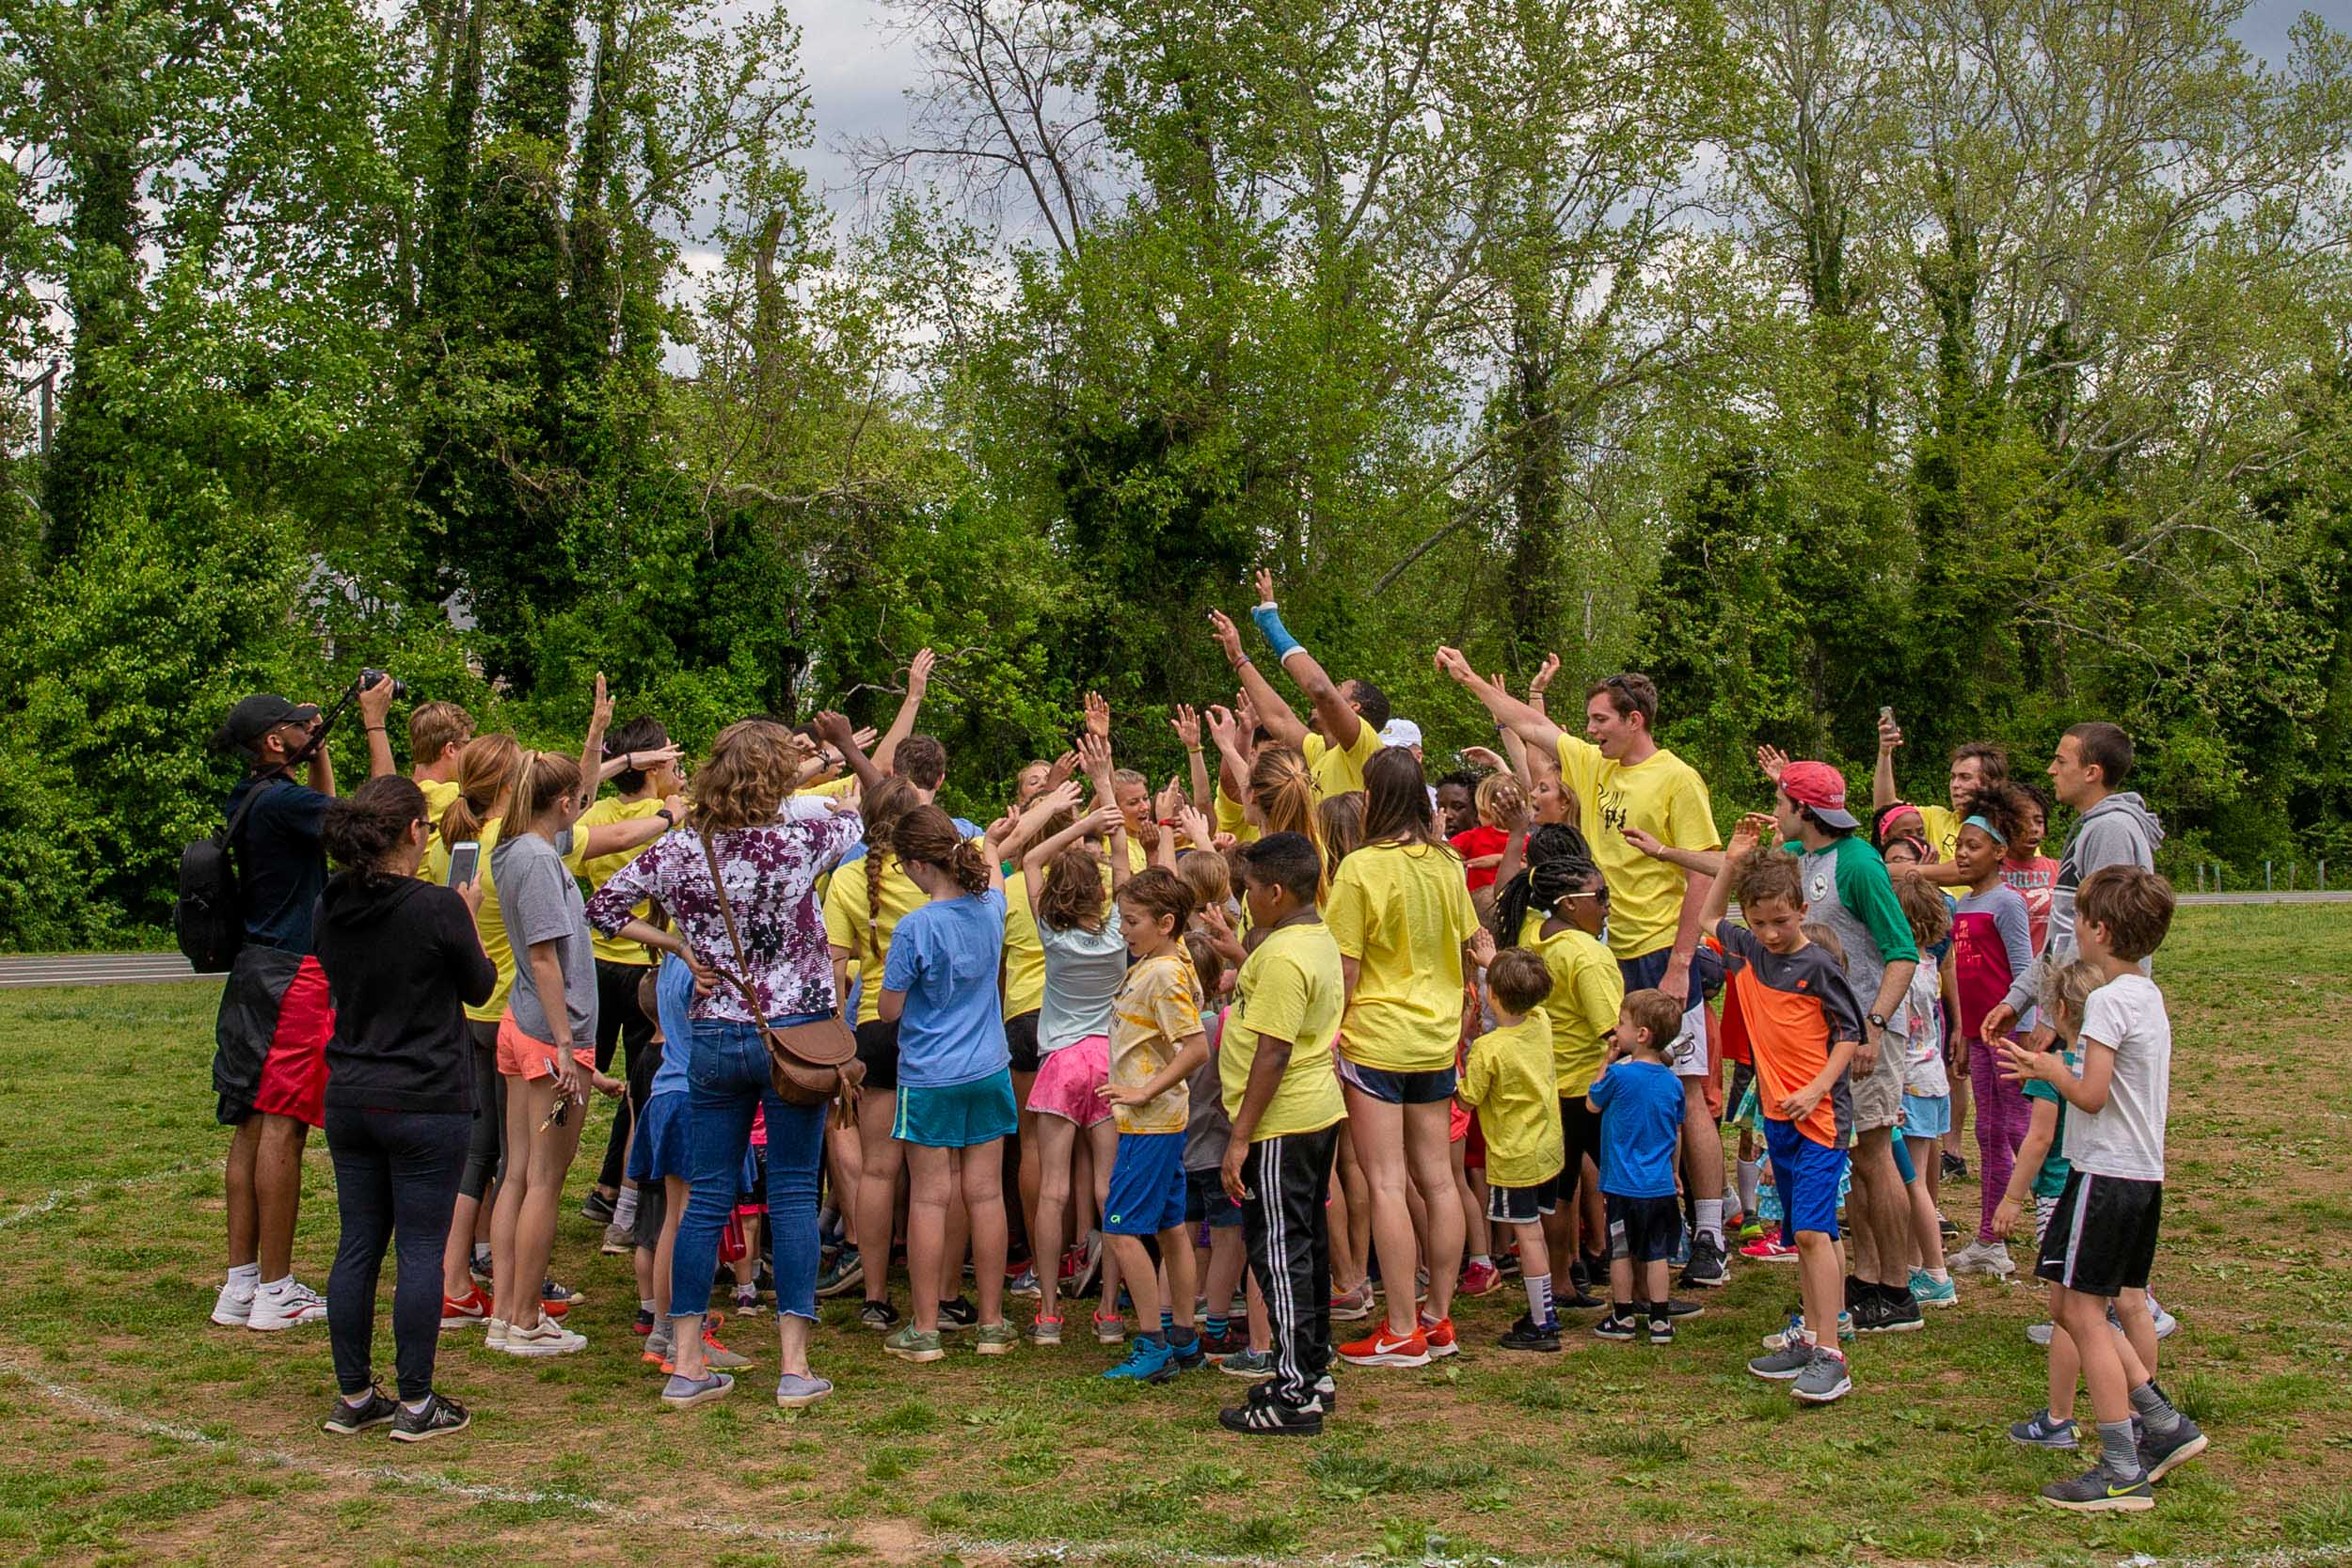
[[1640, 1101]]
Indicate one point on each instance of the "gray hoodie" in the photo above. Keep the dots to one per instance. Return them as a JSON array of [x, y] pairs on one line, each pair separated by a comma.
[[2118, 831]]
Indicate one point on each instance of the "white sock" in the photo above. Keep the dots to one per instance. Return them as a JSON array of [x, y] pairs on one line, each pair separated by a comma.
[[625, 1210], [1710, 1218], [1751, 1179], [355, 1401], [645, 1303], [1940, 1275], [279, 1286], [245, 1276], [1539, 1309], [1483, 1259], [418, 1408]]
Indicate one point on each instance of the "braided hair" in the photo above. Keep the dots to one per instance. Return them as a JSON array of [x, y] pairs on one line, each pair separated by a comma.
[[1558, 864]]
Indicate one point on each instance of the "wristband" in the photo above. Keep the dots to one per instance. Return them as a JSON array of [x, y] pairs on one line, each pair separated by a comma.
[[375, 729], [1269, 624]]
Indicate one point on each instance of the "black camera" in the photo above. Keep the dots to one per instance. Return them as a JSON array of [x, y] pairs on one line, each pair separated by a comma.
[[370, 678]]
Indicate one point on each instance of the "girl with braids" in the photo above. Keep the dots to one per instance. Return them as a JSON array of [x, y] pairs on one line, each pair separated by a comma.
[[546, 1046], [1400, 912], [764, 948], [955, 1106], [1555, 909], [401, 959], [1991, 946], [869, 898]]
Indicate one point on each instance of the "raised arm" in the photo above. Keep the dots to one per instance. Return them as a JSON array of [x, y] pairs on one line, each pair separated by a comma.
[[837, 730], [918, 681], [1273, 713], [1187, 723], [1339, 720], [1233, 764], [1529, 723], [1882, 791], [375, 703], [1696, 863], [1717, 900], [1038, 856], [592, 746]]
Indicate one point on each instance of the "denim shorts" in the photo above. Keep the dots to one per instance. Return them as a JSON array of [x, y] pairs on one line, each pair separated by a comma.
[[957, 1116], [1398, 1088], [1206, 1201]]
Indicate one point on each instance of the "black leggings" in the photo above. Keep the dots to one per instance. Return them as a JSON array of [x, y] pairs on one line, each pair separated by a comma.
[[486, 1150], [620, 1021], [395, 1176]]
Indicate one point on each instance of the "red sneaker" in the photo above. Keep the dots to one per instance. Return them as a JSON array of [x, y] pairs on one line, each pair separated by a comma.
[[1769, 1249], [1384, 1348], [1479, 1279], [466, 1310], [1439, 1336]]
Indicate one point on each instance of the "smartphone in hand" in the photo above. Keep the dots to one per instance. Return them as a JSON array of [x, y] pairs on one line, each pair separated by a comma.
[[463, 860]]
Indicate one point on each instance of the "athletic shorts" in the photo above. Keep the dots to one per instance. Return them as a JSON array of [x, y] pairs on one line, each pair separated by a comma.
[[1206, 1201], [1398, 1088], [1927, 1115], [1642, 1230], [1021, 1039], [1877, 1095], [1069, 1081], [2102, 1239], [653, 1207], [878, 1049], [1579, 1138], [661, 1147], [1147, 1191], [1806, 1175], [1457, 1125], [2045, 1210], [521, 1056], [957, 1116], [1522, 1205], [1688, 1056], [270, 1039]]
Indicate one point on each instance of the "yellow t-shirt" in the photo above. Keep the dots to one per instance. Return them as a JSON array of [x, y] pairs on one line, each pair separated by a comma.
[[1138, 856], [487, 919], [1664, 796], [601, 871], [1507, 1078], [1402, 913], [849, 927], [1232, 818], [832, 788], [1025, 958], [1337, 770], [1587, 989], [439, 796], [1156, 1010], [1943, 828], [1288, 989]]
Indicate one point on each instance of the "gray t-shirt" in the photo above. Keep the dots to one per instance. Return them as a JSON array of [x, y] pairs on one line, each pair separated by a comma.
[[542, 903], [1208, 1130], [2125, 1137], [1082, 971]]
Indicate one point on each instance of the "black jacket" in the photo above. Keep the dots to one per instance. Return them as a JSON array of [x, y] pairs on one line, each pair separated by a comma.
[[402, 963]]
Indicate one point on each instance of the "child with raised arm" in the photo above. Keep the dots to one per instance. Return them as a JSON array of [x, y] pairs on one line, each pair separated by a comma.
[[1640, 1101], [2102, 1242], [1787, 998], [1507, 1078]]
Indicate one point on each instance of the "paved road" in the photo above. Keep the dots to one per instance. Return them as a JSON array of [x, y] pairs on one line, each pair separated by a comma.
[[114, 969]]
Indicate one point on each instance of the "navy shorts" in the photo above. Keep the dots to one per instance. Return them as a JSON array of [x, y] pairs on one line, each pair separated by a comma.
[[1642, 1230], [1523, 1205], [1807, 1176], [1398, 1088], [1147, 1193], [1206, 1203]]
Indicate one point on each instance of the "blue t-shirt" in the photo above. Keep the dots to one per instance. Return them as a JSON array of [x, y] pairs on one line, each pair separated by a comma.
[[282, 867], [944, 956], [1640, 1116], [673, 998], [966, 831]]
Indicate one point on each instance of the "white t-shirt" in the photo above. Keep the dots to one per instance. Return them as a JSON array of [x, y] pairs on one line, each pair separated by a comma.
[[1919, 1022], [2126, 1137]]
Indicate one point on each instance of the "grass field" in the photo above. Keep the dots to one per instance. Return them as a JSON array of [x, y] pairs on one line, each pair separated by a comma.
[[139, 1433]]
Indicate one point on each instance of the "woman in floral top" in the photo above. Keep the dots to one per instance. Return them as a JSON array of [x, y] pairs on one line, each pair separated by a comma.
[[770, 866]]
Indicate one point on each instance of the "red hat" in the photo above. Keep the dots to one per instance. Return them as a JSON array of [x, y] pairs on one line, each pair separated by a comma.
[[1821, 787]]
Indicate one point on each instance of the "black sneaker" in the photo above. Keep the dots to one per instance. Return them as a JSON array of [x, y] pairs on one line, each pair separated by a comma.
[[2161, 1456], [1677, 1308], [596, 1207], [959, 1313], [1954, 1169], [1617, 1325], [1662, 1331], [1528, 1335], [1271, 1418], [1946, 1229], [1897, 1314], [1704, 1272], [1579, 1299], [374, 1412], [1190, 1355], [2097, 1491], [1580, 1280], [441, 1416], [878, 1315], [1327, 1393]]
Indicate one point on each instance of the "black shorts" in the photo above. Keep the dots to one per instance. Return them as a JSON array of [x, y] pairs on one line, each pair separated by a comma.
[[653, 1204], [1021, 1039], [1522, 1205], [2103, 1238], [1642, 1230], [878, 1049], [1580, 1135], [1206, 1200]]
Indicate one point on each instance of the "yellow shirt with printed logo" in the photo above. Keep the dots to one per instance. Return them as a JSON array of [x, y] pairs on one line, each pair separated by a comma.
[[1664, 796]]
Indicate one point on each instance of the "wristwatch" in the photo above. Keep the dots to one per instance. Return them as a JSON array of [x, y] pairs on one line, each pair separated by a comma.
[[666, 814], [1876, 1021]]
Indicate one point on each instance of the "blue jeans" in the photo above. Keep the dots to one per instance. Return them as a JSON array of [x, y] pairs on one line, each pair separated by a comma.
[[726, 1082]]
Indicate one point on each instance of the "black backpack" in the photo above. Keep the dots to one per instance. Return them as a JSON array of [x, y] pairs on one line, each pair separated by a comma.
[[209, 915]]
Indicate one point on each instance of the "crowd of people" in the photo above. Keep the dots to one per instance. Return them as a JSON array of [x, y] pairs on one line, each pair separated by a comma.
[[1304, 1038]]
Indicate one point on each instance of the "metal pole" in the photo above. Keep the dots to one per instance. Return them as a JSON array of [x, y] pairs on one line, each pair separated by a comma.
[[48, 406], [2267, 887], [2200, 875]]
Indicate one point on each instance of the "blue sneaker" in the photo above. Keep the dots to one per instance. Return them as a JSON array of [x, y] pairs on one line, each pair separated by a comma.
[[1929, 1292], [1146, 1362], [1190, 1355]]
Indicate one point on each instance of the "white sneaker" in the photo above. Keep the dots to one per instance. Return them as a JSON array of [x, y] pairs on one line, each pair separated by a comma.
[[545, 1337], [234, 1306], [496, 1338], [285, 1305], [1986, 1258]]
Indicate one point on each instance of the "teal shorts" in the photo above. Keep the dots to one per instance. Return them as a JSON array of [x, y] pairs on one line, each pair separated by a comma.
[[957, 1116]]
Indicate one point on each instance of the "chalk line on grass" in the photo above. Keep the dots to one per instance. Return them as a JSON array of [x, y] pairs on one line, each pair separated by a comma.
[[58, 1198]]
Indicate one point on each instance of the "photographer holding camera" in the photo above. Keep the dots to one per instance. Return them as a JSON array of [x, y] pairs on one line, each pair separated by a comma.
[[269, 1068]]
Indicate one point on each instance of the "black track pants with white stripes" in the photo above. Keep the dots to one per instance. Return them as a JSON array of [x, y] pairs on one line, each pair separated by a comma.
[[1289, 1237]]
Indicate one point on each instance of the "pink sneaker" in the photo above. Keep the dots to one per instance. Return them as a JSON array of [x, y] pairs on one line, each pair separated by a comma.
[[1479, 1279], [1769, 1249]]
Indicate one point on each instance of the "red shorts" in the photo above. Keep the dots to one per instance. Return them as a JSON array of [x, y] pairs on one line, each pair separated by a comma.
[[293, 1071]]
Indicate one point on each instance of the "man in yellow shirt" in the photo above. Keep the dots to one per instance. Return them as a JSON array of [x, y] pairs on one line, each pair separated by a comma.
[[1975, 764], [1348, 713], [1622, 779], [1274, 1066], [438, 732]]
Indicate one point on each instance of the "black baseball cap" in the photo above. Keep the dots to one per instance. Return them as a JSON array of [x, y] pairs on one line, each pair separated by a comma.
[[257, 715]]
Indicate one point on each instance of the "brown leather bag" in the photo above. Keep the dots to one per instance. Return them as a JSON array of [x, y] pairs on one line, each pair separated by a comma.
[[808, 1063]]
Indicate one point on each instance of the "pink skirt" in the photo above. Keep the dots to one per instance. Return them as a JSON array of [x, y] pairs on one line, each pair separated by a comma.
[[1069, 1081]]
